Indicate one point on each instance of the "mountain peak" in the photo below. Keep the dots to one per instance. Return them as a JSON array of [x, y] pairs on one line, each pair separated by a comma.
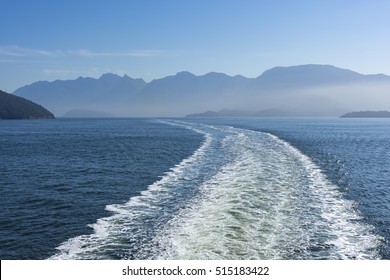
[[313, 68], [306, 75], [109, 76], [184, 74], [215, 74]]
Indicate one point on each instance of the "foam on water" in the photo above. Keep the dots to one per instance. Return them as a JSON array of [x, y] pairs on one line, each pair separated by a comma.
[[130, 222], [271, 202], [242, 195]]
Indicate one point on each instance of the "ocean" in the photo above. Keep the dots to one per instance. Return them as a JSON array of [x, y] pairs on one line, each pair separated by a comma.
[[245, 188]]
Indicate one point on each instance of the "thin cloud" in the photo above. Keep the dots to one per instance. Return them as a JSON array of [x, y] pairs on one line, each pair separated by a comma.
[[12, 51], [15, 51], [135, 53], [60, 72]]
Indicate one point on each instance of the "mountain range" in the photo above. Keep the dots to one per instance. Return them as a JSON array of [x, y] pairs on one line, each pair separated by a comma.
[[304, 90]]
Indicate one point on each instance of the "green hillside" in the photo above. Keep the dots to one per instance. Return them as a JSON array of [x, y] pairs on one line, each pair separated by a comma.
[[15, 107]]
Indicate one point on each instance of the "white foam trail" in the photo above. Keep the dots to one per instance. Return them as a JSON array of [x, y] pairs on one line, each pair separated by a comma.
[[106, 229], [257, 198], [349, 237], [271, 202]]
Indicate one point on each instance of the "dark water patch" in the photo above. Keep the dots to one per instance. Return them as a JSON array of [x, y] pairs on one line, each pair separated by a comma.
[[57, 177]]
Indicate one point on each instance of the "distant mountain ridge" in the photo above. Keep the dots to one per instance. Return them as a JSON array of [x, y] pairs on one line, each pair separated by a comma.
[[297, 76], [243, 114], [306, 90], [109, 88], [367, 114], [15, 107]]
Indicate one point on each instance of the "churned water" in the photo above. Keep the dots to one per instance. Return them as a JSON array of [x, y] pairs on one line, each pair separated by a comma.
[[195, 189]]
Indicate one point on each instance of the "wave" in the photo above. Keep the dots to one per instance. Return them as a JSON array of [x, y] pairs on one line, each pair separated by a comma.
[[130, 223], [241, 195]]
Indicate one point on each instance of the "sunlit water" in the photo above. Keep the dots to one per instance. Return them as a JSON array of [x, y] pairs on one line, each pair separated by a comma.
[[195, 189]]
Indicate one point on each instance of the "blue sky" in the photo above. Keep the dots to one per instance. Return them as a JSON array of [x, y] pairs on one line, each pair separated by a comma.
[[65, 39]]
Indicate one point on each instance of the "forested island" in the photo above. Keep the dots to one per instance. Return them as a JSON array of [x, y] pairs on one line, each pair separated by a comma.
[[367, 114], [15, 107]]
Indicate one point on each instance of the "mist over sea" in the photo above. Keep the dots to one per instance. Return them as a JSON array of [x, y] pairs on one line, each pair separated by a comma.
[[245, 188]]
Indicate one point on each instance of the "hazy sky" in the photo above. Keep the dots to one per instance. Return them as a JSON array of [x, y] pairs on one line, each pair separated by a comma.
[[65, 39]]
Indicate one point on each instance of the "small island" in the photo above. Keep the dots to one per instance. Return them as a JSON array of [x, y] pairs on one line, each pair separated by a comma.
[[18, 108], [367, 114], [224, 113]]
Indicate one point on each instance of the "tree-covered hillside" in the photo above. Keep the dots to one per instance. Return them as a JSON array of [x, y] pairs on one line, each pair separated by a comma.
[[15, 107]]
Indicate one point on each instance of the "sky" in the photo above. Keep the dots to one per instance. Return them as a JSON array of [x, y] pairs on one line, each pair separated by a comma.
[[151, 39]]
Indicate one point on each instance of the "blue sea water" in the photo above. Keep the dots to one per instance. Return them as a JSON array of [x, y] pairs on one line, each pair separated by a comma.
[[252, 188]]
